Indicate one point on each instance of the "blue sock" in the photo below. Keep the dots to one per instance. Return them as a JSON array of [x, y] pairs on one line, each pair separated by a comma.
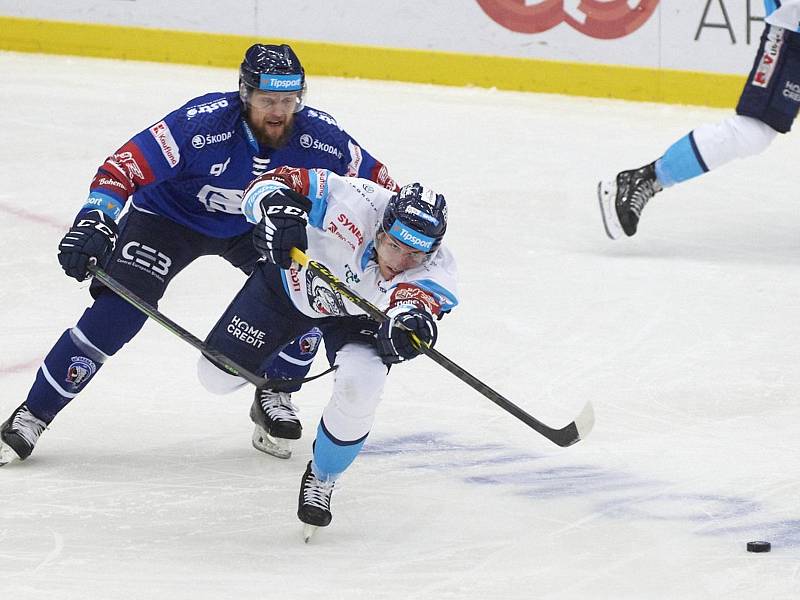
[[332, 456], [680, 162], [80, 352]]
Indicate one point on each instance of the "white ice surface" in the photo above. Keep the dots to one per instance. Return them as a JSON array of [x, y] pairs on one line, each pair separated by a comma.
[[686, 338]]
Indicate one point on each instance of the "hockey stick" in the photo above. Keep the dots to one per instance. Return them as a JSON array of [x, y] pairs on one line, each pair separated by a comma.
[[214, 355], [566, 436]]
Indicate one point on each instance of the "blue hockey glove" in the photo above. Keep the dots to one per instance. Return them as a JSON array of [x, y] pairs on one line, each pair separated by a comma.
[[93, 235], [282, 226], [394, 343]]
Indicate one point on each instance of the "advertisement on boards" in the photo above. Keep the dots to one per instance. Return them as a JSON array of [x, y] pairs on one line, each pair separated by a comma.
[[702, 35], [599, 19], [693, 35]]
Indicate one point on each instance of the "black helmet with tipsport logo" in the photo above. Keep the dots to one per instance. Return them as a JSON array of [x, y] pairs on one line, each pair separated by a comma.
[[272, 68], [417, 217]]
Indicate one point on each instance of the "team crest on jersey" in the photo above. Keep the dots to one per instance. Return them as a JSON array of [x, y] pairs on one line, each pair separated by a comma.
[[322, 298], [310, 341], [79, 371]]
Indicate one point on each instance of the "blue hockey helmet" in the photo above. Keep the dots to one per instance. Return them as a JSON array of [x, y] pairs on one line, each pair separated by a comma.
[[272, 68], [417, 217]]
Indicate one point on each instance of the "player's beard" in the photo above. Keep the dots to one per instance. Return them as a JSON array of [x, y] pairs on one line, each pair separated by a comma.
[[272, 134]]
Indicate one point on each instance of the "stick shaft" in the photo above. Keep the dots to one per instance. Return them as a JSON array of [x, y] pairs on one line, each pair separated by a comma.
[[220, 359], [563, 437]]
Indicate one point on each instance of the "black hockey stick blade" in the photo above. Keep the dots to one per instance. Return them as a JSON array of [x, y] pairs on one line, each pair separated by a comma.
[[215, 356], [566, 436]]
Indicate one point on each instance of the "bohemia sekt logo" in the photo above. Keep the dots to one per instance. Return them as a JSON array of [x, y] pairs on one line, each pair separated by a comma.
[[602, 19]]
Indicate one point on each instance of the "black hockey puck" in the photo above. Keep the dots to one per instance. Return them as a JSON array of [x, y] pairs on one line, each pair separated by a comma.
[[759, 546]]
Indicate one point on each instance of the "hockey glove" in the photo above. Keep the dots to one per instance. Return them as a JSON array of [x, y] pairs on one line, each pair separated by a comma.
[[93, 235], [394, 343], [284, 215]]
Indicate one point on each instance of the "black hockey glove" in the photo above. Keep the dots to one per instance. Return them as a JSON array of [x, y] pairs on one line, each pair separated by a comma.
[[282, 226], [93, 235], [394, 343]]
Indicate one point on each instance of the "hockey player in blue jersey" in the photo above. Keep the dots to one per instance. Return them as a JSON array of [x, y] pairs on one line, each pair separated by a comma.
[[388, 247], [767, 106], [182, 179]]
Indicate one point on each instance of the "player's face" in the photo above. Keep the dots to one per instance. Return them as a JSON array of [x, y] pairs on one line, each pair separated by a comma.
[[394, 256], [271, 114]]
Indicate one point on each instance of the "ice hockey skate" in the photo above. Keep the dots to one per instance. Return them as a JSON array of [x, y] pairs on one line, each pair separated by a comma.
[[19, 434], [314, 503], [622, 200], [276, 423]]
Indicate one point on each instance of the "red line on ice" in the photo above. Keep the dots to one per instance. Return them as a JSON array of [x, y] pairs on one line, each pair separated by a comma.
[[37, 218], [19, 367]]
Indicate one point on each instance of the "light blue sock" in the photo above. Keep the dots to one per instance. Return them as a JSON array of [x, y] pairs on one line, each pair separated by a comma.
[[680, 162], [332, 456]]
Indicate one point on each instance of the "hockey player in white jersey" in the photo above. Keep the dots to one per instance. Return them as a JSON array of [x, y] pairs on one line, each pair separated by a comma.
[[767, 106], [387, 247]]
